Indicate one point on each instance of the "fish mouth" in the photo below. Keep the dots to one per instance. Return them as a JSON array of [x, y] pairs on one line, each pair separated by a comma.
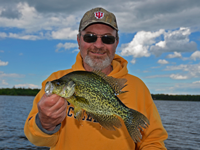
[[49, 88]]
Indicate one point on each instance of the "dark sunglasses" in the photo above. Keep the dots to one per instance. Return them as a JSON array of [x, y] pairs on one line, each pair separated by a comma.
[[91, 38]]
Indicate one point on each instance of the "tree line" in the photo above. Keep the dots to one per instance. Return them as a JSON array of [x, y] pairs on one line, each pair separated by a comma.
[[176, 97], [19, 91], [33, 92]]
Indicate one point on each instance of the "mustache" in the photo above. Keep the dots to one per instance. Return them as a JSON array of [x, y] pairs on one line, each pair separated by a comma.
[[97, 50]]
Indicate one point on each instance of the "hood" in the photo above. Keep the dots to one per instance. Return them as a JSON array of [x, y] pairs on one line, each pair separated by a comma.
[[119, 66]]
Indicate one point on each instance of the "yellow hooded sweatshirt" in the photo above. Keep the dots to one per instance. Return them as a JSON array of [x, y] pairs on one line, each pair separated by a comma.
[[88, 134]]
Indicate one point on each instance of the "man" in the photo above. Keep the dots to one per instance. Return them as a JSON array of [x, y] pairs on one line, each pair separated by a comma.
[[51, 122]]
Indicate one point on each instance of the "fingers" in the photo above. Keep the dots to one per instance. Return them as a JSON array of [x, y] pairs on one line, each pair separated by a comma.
[[59, 104], [50, 100], [59, 108]]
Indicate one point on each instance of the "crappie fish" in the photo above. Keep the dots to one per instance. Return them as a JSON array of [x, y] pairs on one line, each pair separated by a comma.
[[96, 94]]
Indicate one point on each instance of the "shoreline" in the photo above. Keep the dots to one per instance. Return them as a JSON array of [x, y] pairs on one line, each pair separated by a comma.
[[33, 92]]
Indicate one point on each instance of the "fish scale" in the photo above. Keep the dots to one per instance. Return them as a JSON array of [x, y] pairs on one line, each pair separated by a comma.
[[95, 93]]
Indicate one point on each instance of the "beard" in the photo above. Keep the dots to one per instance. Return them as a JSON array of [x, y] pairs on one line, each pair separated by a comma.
[[97, 62]]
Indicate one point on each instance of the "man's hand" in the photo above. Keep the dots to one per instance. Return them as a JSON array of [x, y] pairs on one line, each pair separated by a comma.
[[52, 111]]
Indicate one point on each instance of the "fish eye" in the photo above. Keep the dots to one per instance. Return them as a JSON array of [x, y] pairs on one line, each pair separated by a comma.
[[58, 83]]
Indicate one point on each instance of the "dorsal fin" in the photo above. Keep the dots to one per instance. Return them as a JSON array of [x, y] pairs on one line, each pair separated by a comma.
[[116, 84]]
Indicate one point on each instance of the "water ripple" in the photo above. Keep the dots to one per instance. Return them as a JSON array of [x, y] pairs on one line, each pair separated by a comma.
[[182, 122], [180, 119]]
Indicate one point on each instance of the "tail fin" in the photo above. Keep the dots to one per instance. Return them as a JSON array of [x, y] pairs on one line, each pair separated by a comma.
[[134, 123]]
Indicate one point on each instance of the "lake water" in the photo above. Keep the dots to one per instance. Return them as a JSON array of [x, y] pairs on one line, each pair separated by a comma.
[[180, 119]]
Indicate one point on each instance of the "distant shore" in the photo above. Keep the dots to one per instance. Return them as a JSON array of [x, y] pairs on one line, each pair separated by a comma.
[[33, 92], [176, 97], [19, 91]]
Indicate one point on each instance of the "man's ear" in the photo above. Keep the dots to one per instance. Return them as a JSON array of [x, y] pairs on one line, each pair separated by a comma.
[[78, 40], [117, 42]]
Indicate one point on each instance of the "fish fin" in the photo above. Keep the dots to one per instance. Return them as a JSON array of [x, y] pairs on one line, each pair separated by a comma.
[[81, 99], [117, 84], [78, 112], [107, 121], [134, 122]]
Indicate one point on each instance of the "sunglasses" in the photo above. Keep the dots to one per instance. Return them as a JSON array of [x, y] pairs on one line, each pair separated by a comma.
[[106, 39]]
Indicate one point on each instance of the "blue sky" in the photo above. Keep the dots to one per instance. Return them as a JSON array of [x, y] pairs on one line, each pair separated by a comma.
[[159, 38]]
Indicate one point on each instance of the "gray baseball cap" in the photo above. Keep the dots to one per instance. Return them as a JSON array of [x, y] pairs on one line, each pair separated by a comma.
[[98, 15]]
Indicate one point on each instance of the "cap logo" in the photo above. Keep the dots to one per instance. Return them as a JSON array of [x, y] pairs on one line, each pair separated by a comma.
[[99, 15]]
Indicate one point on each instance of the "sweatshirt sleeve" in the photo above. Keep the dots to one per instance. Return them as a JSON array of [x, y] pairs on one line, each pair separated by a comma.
[[38, 123], [34, 134], [32, 128]]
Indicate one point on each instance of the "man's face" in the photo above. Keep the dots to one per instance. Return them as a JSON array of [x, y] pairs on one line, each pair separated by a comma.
[[97, 55]]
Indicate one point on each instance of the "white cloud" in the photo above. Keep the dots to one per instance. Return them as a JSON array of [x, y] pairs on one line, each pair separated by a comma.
[[174, 41], [193, 70], [146, 43], [3, 35], [196, 82], [32, 86], [140, 44], [132, 16], [1, 51], [187, 71], [65, 33], [195, 55], [163, 61], [154, 15], [158, 76], [76, 50], [133, 61], [177, 88], [10, 75], [178, 76], [23, 37], [174, 55], [2, 63], [29, 18], [65, 46], [35, 25], [4, 82]]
